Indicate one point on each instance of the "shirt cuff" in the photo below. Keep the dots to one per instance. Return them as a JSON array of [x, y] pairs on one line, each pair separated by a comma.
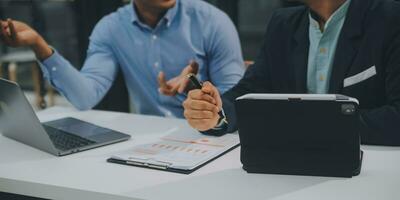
[[217, 132], [50, 65]]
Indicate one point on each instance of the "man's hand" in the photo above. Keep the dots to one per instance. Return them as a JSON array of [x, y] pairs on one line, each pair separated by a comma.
[[18, 34], [202, 107], [177, 84]]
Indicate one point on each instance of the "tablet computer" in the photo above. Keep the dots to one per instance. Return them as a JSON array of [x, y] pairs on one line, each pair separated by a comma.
[[299, 134]]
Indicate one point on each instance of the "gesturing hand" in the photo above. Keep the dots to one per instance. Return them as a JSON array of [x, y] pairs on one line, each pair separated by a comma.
[[179, 83], [17, 34]]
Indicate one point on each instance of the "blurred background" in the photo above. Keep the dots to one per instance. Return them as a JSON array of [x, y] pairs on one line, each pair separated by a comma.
[[67, 24]]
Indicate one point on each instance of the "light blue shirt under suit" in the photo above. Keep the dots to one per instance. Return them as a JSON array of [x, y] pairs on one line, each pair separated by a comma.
[[322, 50]]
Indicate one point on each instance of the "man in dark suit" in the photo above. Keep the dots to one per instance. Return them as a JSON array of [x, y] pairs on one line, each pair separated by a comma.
[[349, 47]]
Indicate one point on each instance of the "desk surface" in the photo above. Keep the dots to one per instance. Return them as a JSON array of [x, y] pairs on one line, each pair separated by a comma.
[[87, 175]]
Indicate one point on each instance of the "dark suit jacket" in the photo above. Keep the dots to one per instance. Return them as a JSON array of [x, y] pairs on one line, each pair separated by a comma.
[[370, 37]]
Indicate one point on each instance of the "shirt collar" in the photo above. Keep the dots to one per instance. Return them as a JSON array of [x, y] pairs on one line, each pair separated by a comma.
[[168, 17], [338, 15], [171, 13]]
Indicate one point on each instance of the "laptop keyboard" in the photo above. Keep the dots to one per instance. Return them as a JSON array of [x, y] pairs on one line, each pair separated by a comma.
[[66, 141]]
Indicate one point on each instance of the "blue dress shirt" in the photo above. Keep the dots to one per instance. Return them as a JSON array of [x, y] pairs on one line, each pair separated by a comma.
[[322, 50], [191, 30]]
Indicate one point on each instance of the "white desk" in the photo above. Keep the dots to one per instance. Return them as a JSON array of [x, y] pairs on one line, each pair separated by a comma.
[[87, 175]]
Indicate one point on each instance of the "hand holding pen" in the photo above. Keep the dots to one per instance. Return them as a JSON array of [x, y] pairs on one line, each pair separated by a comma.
[[203, 106]]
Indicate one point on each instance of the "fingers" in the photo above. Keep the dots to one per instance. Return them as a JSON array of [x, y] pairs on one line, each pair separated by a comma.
[[200, 105], [208, 88], [164, 88], [13, 32], [200, 95], [4, 24], [193, 67], [161, 80], [4, 34], [183, 85], [2, 27], [199, 114]]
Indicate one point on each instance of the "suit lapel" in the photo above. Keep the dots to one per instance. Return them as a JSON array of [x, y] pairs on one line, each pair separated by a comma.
[[348, 44], [300, 53]]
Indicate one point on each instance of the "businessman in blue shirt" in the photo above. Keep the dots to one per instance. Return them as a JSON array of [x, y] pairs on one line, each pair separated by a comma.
[[151, 41]]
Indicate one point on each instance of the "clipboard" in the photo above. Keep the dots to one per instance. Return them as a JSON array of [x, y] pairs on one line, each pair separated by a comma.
[[165, 167], [181, 153]]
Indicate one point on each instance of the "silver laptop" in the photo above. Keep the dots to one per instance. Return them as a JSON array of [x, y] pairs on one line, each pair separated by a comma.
[[60, 137]]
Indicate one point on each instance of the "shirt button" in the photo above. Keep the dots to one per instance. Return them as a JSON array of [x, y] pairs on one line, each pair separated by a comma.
[[54, 69], [322, 50], [156, 64], [154, 37], [321, 78]]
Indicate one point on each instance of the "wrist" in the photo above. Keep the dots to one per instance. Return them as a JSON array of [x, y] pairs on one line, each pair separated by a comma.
[[41, 49], [220, 129]]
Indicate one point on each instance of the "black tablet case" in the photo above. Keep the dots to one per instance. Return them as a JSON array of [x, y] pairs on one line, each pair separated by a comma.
[[297, 137]]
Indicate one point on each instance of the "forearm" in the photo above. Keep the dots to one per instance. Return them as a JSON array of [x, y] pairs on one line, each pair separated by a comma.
[[82, 89]]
